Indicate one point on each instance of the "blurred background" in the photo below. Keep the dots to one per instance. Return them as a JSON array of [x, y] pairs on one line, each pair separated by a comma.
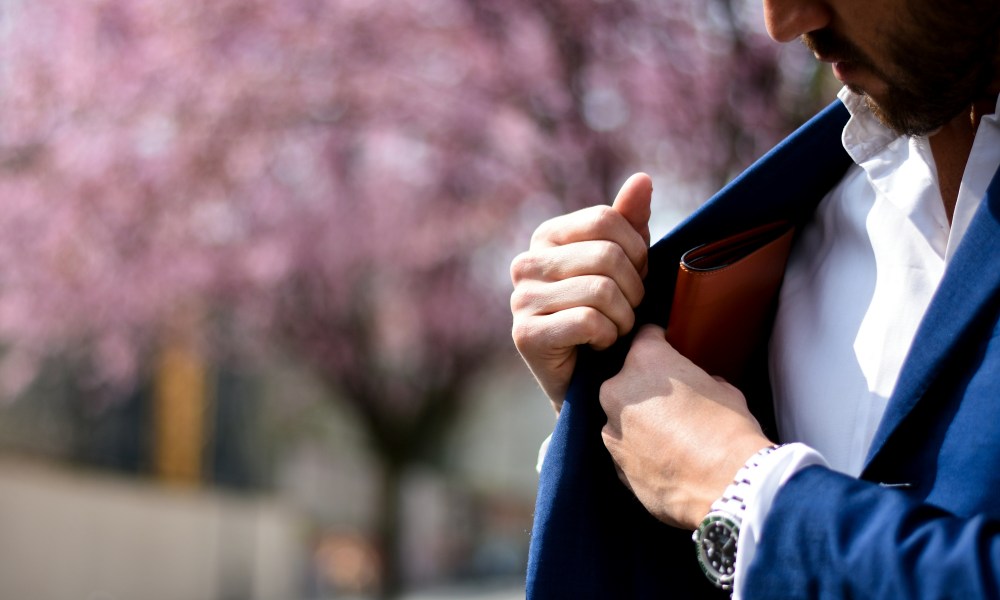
[[254, 324]]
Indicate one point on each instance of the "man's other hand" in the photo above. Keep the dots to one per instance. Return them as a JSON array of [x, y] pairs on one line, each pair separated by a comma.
[[677, 435], [579, 283]]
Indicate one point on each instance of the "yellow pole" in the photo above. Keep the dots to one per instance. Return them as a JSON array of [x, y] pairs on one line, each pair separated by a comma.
[[180, 412]]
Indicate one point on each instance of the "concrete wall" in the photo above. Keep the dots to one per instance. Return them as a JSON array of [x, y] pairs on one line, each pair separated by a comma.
[[71, 536]]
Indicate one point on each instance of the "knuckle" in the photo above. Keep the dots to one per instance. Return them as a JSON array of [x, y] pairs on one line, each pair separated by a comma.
[[523, 334], [603, 217], [607, 437], [601, 332], [607, 390], [639, 295], [603, 290], [522, 265], [614, 258], [546, 231], [590, 319], [519, 299], [611, 254], [605, 396], [628, 322]]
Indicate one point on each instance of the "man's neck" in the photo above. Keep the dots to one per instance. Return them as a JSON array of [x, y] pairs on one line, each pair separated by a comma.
[[951, 146]]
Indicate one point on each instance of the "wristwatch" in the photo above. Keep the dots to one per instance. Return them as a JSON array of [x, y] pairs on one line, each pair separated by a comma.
[[716, 538]]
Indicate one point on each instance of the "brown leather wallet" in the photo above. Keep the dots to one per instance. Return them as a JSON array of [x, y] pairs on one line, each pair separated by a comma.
[[725, 297]]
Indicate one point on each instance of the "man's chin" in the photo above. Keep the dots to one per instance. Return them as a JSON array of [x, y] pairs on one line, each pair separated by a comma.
[[901, 118], [875, 107]]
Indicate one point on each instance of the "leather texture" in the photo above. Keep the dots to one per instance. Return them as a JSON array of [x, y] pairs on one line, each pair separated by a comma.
[[725, 296]]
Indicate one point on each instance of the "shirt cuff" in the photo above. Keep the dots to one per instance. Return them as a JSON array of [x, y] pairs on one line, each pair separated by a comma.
[[771, 472], [542, 451]]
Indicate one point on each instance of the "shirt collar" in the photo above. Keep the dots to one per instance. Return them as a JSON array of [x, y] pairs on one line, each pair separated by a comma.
[[864, 136], [994, 119]]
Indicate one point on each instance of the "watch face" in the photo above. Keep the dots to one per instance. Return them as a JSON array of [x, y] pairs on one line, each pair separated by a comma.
[[716, 543]]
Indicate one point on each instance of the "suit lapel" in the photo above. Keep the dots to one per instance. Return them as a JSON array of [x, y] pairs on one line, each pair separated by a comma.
[[971, 281], [785, 184]]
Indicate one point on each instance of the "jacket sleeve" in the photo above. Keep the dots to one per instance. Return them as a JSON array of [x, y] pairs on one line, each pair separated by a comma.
[[832, 536]]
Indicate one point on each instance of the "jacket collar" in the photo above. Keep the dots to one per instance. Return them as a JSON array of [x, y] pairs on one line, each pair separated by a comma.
[[967, 291]]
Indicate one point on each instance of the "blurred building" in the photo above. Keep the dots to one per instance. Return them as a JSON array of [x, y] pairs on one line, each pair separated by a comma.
[[284, 504], [94, 536]]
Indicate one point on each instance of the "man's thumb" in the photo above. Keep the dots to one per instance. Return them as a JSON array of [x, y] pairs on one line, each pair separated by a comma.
[[633, 202]]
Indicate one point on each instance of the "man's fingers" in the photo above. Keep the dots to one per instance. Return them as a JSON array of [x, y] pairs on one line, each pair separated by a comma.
[[575, 260], [650, 350], [596, 292], [579, 283], [550, 336], [652, 338], [633, 203], [590, 224]]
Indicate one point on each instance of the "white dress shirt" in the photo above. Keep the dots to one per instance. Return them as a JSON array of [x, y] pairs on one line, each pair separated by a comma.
[[858, 282]]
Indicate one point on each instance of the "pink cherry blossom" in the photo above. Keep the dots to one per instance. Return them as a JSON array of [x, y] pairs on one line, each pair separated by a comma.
[[344, 179]]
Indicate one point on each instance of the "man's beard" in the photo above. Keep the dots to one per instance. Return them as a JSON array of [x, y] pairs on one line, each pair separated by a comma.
[[936, 68]]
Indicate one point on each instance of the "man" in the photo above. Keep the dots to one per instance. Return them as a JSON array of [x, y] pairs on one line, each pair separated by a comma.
[[884, 359]]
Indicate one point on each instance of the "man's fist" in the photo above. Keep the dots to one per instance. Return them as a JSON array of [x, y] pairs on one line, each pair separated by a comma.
[[579, 283]]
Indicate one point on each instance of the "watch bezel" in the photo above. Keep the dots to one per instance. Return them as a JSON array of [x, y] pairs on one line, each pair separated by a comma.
[[732, 524]]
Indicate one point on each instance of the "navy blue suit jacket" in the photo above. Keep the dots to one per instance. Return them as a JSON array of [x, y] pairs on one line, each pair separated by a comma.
[[924, 518]]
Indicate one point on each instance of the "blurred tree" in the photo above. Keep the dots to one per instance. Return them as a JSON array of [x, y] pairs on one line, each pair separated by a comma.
[[342, 178]]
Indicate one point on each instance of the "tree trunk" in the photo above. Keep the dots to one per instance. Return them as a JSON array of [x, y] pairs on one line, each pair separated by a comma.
[[388, 521]]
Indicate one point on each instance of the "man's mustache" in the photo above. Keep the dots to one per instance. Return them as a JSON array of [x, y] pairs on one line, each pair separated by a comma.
[[830, 46]]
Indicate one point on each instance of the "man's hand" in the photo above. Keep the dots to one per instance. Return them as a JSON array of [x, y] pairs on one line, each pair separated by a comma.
[[677, 435], [579, 283]]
